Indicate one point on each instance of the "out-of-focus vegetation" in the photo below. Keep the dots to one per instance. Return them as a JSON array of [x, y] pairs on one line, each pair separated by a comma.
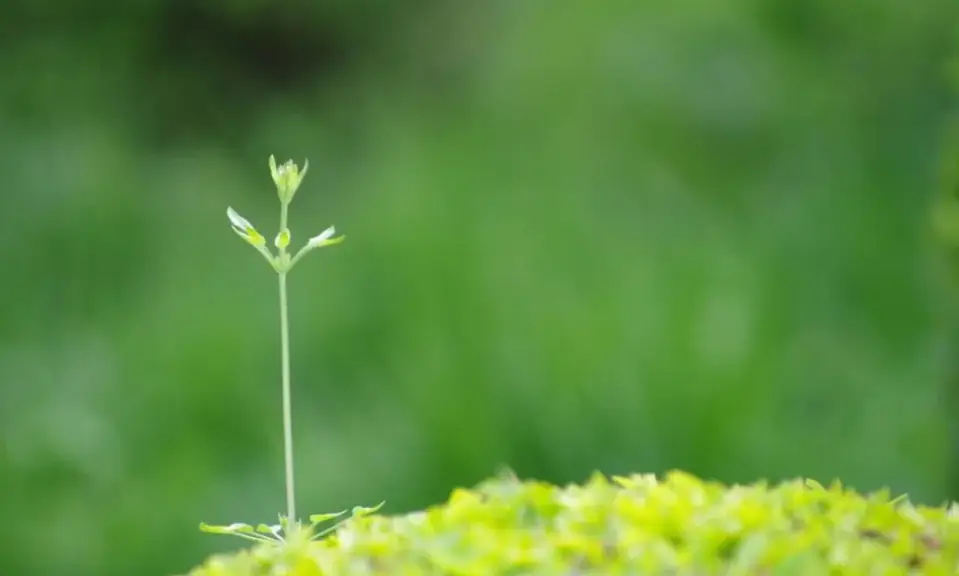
[[626, 236]]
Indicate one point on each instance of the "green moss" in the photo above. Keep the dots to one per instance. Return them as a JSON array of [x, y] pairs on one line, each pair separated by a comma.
[[638, 525]]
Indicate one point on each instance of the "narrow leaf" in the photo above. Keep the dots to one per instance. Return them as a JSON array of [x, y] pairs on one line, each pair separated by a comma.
[[321, 518], [365, 511], [236, 527]]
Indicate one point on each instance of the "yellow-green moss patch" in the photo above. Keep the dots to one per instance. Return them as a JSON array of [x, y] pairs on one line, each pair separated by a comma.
[[678, 524]]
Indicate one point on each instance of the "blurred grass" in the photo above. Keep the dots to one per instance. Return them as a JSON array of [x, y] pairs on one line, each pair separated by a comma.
[[624, 236]]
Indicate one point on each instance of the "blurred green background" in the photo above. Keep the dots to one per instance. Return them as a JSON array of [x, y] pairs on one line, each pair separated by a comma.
[[619, 235]]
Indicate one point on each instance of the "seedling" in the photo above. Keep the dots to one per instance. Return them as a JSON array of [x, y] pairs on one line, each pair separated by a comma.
[[287, 178]]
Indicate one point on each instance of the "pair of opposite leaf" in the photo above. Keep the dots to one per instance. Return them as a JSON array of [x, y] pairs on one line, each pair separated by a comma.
[[287, 178]]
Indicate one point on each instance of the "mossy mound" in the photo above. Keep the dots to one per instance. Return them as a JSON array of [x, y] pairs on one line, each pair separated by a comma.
[[638, 525]]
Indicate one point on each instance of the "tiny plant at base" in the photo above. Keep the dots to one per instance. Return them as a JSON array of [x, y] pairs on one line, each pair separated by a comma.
[[287, 178], [278, 533]]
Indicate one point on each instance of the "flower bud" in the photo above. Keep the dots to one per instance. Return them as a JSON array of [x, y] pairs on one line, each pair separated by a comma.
[[282, 239], [244, 229], [287, 178], [325, 238]]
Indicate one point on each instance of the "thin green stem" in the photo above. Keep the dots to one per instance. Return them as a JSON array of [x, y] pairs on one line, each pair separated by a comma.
[[287, 402], [284, 210]]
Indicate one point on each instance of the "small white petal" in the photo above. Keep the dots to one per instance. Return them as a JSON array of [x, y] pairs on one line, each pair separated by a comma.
[[238, 221], [323, 237]]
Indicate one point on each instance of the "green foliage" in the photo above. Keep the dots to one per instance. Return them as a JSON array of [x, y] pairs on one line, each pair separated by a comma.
[[279, 532], [630, 525]]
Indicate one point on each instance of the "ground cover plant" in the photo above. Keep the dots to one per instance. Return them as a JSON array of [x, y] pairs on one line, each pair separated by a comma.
[[677, 524]]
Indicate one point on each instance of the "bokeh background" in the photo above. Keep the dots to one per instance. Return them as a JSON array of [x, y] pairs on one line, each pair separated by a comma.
[[625, 236]]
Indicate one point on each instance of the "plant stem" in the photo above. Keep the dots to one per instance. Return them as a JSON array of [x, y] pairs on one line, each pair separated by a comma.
[[287, 403]]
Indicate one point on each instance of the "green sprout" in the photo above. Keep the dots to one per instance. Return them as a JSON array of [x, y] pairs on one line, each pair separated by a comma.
[[287, 177], [279, 532]]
